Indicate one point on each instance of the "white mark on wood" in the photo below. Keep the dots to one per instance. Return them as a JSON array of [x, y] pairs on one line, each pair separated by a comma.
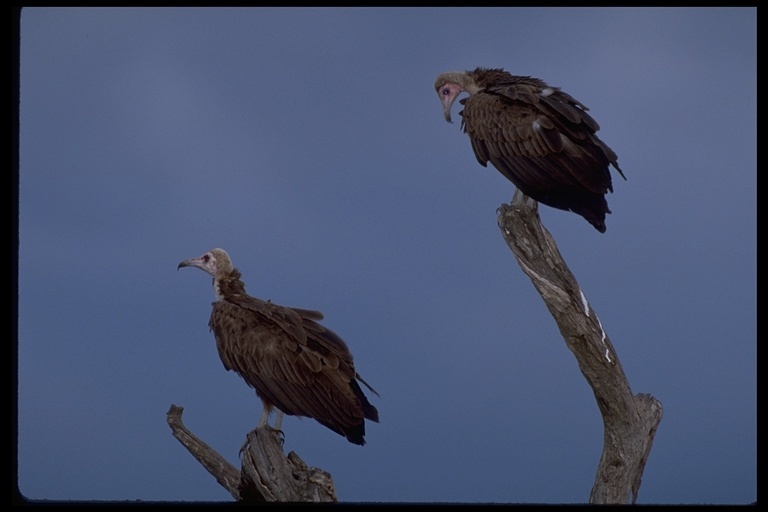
[[554, 290], [584, 302], [602, 338]]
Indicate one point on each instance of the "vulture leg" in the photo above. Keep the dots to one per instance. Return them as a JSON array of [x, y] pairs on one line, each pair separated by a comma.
[[279, 420], [278, 425], [264, 423], [520, 199], [264, 420]]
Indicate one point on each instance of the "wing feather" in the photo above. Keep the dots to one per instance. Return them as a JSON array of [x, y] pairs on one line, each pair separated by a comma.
[[540, 142], [293, 363]]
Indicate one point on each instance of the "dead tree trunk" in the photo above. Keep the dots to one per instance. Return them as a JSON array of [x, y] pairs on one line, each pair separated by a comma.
[[629, 421], [266, 475]]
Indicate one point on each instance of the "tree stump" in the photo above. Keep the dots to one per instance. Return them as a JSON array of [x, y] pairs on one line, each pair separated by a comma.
[[266, 474]]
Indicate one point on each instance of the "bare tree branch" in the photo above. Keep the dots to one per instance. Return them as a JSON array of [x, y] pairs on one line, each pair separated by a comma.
[[629, 421], [267, 475], [224, 472]]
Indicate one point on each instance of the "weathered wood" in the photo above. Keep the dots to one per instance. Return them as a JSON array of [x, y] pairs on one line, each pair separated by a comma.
[[629, 421], [266, 475], [224, 472]]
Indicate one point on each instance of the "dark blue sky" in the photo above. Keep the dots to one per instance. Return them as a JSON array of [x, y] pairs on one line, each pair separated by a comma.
[[310, 144]]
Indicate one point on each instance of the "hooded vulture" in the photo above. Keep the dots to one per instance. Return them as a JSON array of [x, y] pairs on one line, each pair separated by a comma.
[[295, 364], [536, 135]]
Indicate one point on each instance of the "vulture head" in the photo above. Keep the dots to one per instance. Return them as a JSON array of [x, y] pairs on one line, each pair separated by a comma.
[[215, 262], [450, 85]]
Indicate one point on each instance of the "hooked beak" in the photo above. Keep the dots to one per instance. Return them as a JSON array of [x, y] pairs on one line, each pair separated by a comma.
[[447, 101], [448, 94], [192, 262]]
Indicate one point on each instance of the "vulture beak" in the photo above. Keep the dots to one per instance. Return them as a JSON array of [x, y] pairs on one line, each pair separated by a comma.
[[448, 93], [206, 263], [447, 113], [193, 262], [212, 262], [447, 101]]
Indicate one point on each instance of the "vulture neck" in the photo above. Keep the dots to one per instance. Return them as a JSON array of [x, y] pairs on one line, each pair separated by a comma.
[[228, 285]]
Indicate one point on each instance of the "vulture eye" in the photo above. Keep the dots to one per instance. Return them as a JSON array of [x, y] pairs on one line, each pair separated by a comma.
[[207, 258]]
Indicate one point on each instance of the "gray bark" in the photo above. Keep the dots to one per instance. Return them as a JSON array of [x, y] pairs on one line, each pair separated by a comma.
[[629, 421], [266, 474]]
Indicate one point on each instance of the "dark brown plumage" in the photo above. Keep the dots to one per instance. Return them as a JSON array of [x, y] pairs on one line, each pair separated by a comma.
[[537, 136], [294, 363]]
